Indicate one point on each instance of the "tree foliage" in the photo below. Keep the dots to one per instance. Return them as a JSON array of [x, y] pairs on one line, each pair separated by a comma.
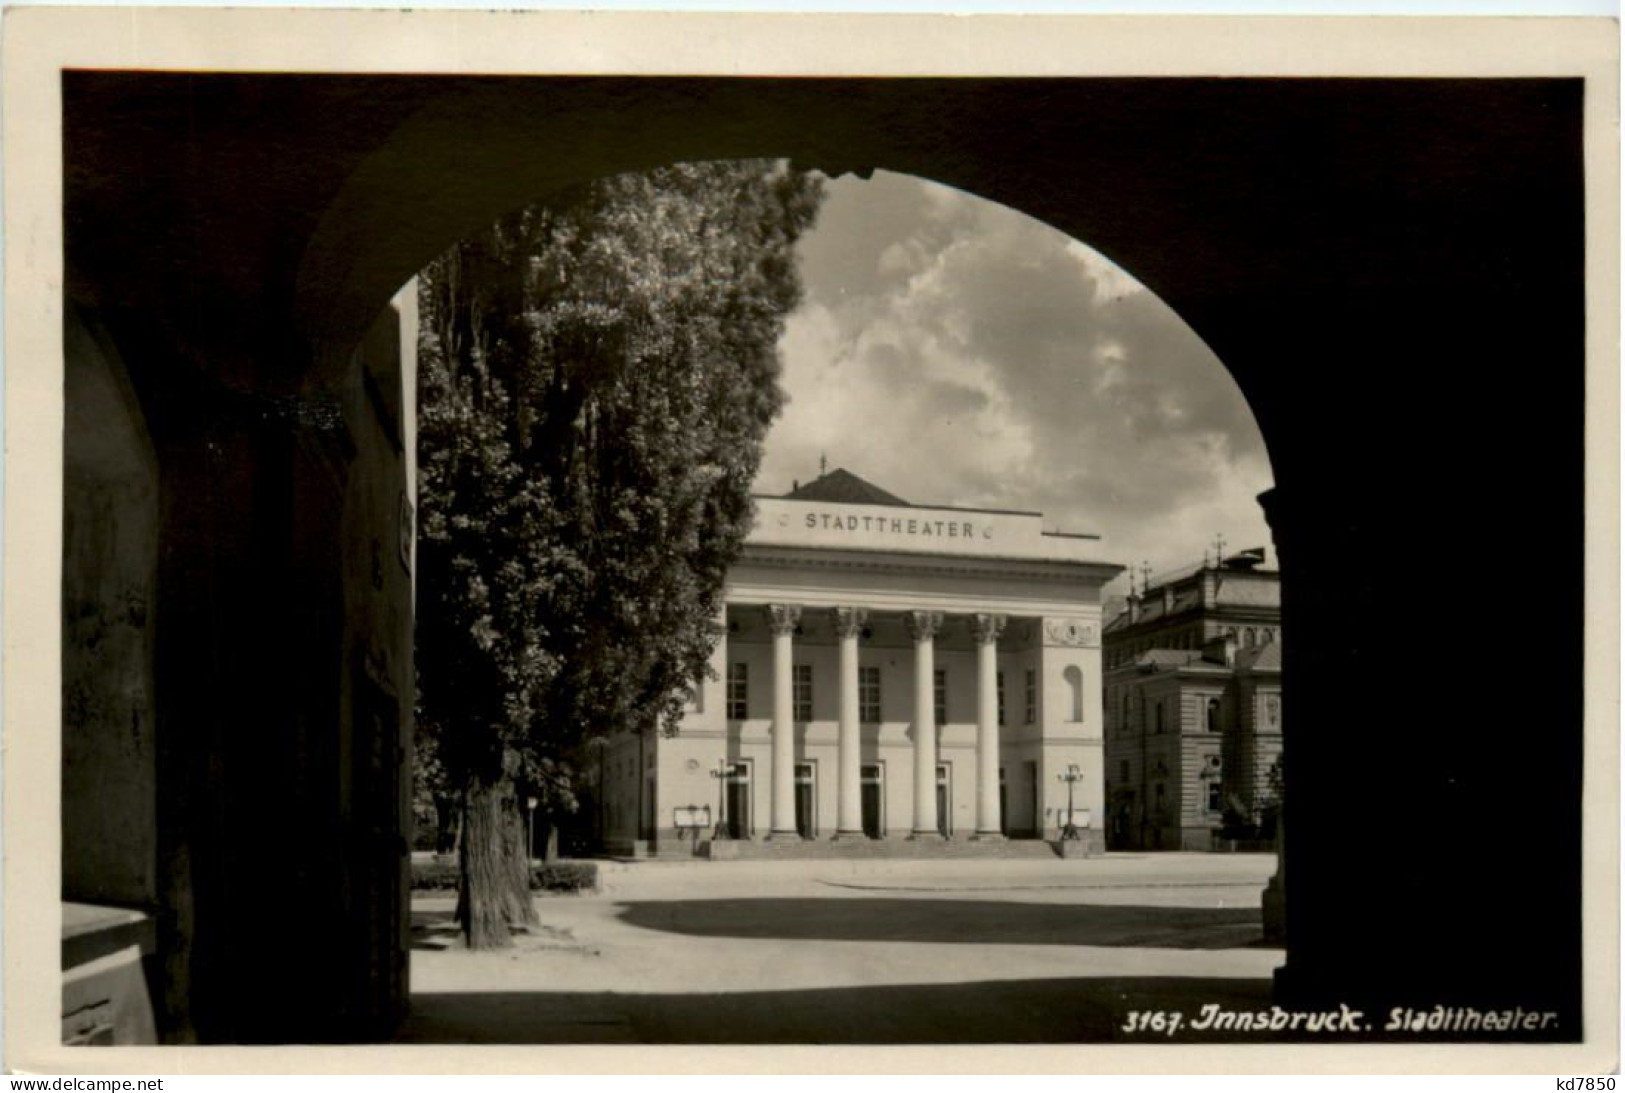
[[596, 377]]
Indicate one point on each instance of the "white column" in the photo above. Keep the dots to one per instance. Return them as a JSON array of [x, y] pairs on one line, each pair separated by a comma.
[[986, 629], [923, 627], [782, 620], [849, 622]]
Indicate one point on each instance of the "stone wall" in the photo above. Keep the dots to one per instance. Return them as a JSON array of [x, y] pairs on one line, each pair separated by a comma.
[[110, 560]]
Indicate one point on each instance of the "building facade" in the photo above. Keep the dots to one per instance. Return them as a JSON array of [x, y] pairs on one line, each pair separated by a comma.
[[1193, 710], [853, 621]]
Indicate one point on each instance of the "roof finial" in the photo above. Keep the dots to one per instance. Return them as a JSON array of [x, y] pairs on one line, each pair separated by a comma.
[[822, 463]]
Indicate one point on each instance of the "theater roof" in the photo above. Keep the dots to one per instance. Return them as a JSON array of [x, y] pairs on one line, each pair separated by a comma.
[[841, 486]]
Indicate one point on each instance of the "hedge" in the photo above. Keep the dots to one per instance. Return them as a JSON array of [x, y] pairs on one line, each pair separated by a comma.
[[568, 876]]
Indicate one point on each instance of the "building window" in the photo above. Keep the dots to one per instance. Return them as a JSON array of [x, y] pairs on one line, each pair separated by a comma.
[[1074, 682], [869, 694], [1126, 718], [1215, 793], [802, 690], [1212, 715], [940, 694], [1250, 637], [1000, 678], [696, 693], [1032, 696], [1122, 770], [1159, 719], [738, 690]]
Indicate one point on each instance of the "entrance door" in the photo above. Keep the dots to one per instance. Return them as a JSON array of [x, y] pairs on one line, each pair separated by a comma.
[[1004, 805], [739, 819], [874, 787], [944, 800], [806, 811]]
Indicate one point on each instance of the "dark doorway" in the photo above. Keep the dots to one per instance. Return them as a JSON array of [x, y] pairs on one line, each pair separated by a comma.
[[874, 786], [806, 796], [1004, 805], [944, 800], [739, 800]]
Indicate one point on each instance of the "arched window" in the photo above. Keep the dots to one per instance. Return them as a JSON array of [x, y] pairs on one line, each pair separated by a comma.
[[1212, 715], [1251, 637], [1074, 681]]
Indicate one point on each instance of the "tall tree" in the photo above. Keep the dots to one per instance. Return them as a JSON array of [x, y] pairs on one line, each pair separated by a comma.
[[596, 378]]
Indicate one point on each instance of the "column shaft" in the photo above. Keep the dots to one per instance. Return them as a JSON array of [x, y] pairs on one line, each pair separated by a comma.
[[922, 627], [849, 802], [783, 621], [987, 629]]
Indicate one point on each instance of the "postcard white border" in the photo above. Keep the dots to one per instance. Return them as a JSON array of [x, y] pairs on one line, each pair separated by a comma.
[[40, 41]]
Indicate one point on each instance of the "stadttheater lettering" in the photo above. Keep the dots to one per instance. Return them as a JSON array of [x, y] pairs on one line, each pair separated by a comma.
[[898, 525], [841, 512]]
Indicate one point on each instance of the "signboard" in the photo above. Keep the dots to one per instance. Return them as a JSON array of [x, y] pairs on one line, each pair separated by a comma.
[[691, 816], [784, 522]]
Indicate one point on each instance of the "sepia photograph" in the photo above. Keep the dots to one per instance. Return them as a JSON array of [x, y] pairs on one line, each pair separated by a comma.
[[525, 538]]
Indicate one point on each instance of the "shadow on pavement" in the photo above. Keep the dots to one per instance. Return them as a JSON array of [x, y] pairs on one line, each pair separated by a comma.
[[437, 931], [981, 922], [1052, 1011]]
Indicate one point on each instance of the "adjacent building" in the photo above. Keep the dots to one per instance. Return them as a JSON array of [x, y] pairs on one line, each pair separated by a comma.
[[1193, 710], [893, 675]]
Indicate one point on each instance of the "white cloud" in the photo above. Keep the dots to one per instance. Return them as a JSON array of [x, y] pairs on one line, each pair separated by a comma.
[[956, 352]]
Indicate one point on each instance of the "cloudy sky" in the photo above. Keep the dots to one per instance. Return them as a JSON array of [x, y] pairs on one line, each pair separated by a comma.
[[955, 352]]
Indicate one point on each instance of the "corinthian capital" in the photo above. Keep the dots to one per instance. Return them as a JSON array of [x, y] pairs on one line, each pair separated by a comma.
[[850, 621], [986, 628], [783, 618], [922, 625]]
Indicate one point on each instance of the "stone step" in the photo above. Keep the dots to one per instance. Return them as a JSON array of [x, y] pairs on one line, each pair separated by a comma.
[[820, 849]]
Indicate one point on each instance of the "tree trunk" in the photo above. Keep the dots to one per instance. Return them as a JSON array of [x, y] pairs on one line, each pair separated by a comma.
[[551, 846], [494, 896]]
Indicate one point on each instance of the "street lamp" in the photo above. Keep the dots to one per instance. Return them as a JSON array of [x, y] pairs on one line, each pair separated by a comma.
[[1072, 776], [723, 769], [530, 830]]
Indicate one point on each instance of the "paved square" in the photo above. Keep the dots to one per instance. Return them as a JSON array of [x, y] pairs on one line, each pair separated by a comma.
[[855, 952]]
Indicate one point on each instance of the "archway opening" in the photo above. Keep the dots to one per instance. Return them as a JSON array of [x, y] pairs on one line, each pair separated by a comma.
[[933, 321], [235, 292]]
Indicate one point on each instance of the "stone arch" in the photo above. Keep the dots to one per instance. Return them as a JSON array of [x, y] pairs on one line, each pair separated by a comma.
[[236, 235]]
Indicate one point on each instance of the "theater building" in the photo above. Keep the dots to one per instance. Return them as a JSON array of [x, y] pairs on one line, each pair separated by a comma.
[[853, 620], [1193, 711]]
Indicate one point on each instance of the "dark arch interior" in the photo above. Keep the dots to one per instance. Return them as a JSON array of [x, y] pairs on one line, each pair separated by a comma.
[[1392, 270]]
